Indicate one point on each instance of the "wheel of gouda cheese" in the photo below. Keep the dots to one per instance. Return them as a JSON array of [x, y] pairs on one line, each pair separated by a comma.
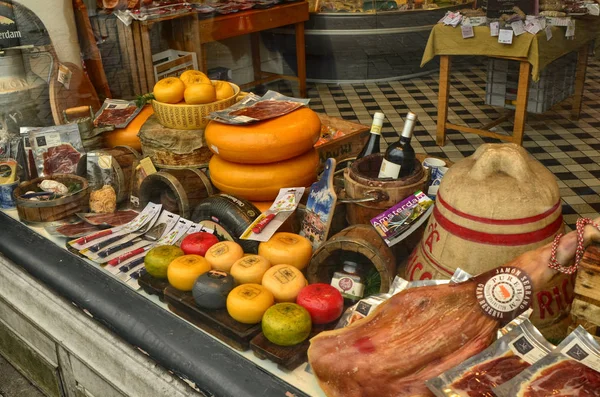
[[287, 248], [250, 269], [285, 282], [223, 255], [248, 303]]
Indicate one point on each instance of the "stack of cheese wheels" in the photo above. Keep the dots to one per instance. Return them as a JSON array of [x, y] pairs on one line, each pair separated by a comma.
[[254, 161]]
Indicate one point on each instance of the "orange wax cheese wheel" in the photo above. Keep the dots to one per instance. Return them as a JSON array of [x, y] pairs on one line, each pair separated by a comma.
[[250, 269], [285, 282], [184, 270], [261, 182], [262, 206], [268, 141], [248, 303], [128, 136], [223, 255], [287, 248]]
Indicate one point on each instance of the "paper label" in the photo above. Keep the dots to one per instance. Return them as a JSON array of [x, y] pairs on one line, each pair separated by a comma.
[[532, 27], [389, 170], [578, 351], [548, 31], [349, 285], [64, 76], [494, 29], [527, 349], [570, 29], [505, 36], [504, 293], [467, 31], [518, 27]]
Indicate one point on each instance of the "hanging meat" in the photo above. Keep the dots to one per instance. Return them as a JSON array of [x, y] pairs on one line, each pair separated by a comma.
[[61, 159], [420, 333]]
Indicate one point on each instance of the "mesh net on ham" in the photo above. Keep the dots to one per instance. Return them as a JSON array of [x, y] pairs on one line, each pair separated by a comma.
[[418, 334]]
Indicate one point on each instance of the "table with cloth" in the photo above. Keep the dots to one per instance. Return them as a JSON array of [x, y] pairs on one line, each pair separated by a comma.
[[534, 52]]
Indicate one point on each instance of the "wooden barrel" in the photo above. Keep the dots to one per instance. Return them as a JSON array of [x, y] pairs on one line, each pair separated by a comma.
[[360, 181], [125, 159], [357, 239], [173, 148], [491, 207], [178, 190], [36, 212]]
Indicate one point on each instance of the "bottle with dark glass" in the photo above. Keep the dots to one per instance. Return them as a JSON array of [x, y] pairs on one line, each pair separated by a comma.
[[399, 159], [372, 145]]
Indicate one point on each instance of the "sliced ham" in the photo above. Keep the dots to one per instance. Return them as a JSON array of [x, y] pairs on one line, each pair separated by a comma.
[[419, 333], [567, 378]]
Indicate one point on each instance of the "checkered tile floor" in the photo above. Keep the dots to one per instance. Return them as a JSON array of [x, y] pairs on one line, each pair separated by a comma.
[[570, 149]]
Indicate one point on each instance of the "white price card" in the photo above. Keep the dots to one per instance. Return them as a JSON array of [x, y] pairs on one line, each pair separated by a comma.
[[494, 29], [505, 36], [467, 31], [570, 29], [533, 27], [548, 32], [518, 27]]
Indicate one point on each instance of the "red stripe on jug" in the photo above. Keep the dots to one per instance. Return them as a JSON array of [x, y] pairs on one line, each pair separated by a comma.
[[519, 221], [498, 239]]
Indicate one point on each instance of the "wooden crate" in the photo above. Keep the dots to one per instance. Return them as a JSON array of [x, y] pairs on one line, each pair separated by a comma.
[[345, 147], [585, 310]]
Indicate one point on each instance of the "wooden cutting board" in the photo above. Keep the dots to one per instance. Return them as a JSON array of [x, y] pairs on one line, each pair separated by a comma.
[[218, 323], [153, 286], [286, 357]]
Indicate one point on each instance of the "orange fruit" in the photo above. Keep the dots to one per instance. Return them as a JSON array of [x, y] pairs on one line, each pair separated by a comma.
[[224, 90], [169, 90], [200, 93], [184, 270], [193, 77]]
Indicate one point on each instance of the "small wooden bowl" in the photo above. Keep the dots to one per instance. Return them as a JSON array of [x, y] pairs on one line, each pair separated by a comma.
[[36, 212]]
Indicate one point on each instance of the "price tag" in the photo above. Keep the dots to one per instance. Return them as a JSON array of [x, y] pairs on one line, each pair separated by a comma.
[[505, 36], [533, 27], [467, 31], [518, 27], [548, 32], [494, 29], [570, 29]]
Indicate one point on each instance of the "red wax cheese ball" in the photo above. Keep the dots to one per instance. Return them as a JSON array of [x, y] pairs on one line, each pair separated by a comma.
[[324, 303], [198, 243]]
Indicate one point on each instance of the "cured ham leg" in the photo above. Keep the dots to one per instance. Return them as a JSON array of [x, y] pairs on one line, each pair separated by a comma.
[[419, 333]]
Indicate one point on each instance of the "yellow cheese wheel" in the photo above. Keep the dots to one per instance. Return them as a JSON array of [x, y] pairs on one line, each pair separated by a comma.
[[248, 302], [223, 255], [286, 248], [128, 136], [249, 269], [267, 141], [285, 282], [261, 182], [184, 270]]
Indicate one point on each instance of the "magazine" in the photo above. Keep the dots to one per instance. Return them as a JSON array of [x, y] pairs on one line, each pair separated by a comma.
[[402, 219]]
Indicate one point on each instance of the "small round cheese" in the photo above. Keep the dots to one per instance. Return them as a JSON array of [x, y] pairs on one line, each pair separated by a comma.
[[248, 303], [286, 248], [223, 255], [250, 269], [285, 282], [211, 289]]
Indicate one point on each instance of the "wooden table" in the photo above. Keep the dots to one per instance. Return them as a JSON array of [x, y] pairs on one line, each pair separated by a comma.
[[187, 32], [533, 52]]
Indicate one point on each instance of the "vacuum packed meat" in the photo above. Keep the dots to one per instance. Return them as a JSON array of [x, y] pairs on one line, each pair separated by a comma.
[[420, 333], [567, 378], [61, 159]]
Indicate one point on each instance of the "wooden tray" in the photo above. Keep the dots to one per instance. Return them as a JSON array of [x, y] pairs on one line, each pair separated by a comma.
[[345, 147], [286, 357], [153, 286], [218, 323]]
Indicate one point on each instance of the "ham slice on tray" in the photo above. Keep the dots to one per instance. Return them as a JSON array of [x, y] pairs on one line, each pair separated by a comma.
[[76, 229], [267, 109], [567, 378], [61, 159], [419, 333], [480, 380]]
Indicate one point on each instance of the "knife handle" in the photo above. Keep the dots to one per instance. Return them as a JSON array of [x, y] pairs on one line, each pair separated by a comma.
[[116, 248], [90, 237], [129, 266], [263, 223], [99, 246], [138, 274], [125, 256]]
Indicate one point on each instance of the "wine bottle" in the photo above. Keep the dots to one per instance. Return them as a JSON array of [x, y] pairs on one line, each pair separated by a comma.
[[399, 158], [372, 145]]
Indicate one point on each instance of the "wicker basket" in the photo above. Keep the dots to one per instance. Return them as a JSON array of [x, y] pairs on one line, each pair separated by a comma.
[[190, 117]]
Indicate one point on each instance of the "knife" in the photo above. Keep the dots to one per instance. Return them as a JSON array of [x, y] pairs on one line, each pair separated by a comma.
[[105, 243], [127, 255], [129, 266], [116, 248], [90, 237]]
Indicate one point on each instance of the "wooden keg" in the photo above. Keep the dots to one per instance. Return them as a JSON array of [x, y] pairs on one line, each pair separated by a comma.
[[125, 159], [178, 190], [491, 207], [360, 181], [39, 211], [357, 239]]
